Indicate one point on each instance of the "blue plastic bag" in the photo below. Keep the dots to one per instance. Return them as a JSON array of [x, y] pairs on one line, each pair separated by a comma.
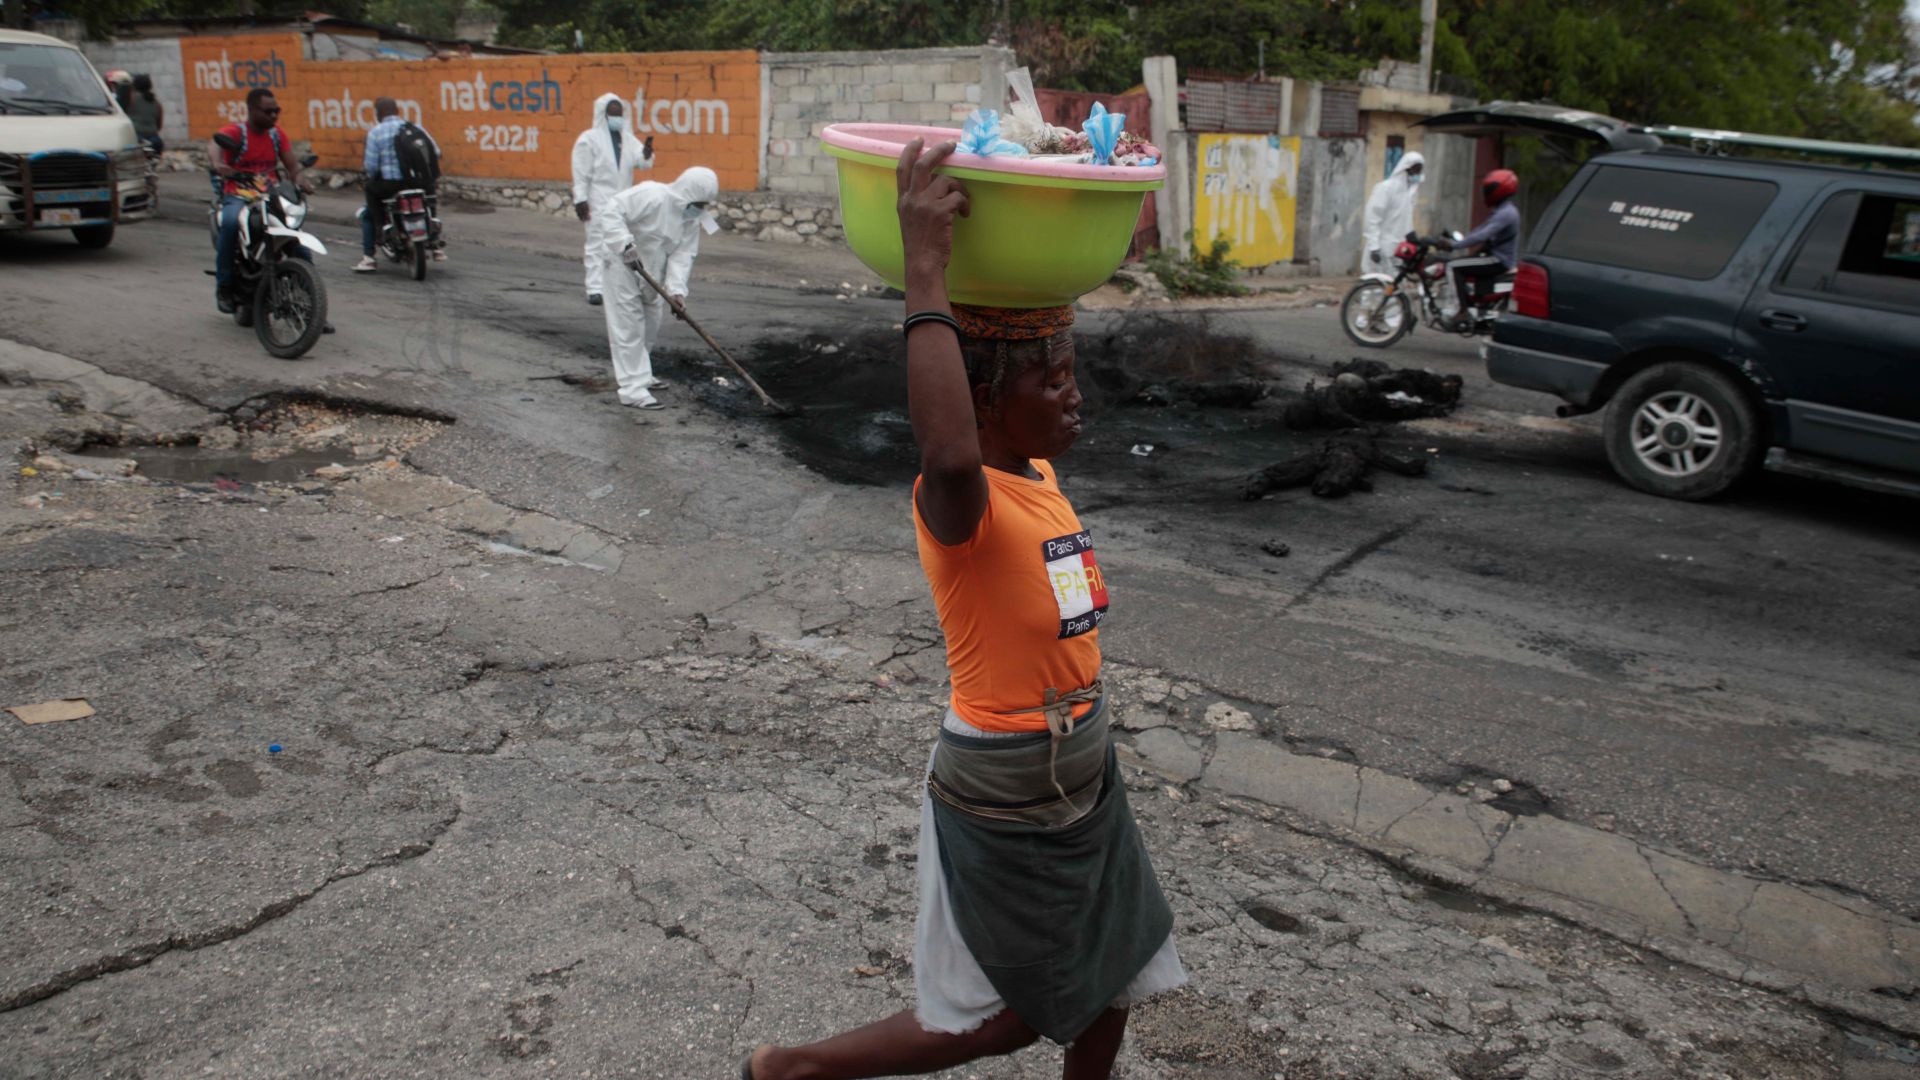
[[981, 135], [1103, 132]]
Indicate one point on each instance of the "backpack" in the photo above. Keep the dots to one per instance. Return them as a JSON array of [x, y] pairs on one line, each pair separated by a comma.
[[279, 149], [419, 161]]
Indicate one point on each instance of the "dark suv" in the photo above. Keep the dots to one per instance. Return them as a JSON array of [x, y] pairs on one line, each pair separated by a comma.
[[1732, 312], [1729, 312]]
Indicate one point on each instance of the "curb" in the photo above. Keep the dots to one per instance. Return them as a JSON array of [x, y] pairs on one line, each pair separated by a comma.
[[1837, 954]]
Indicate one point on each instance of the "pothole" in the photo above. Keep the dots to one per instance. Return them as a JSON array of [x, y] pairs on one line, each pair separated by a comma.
[[269, 440], [191, 465], [1516, 797], [1273, 918]]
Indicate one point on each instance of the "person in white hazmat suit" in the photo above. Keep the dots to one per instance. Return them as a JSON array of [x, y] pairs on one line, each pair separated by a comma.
[[604, 158], [1389, 215], [656, 227]]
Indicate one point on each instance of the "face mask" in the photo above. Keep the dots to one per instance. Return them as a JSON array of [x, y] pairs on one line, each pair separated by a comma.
[[616, 123], [693, 211], [1416, 179]]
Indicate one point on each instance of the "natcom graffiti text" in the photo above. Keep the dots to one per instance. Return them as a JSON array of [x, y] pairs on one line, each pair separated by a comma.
[[346, 111]]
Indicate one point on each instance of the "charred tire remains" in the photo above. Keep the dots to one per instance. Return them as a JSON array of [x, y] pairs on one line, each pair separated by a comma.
[[1683, 431]]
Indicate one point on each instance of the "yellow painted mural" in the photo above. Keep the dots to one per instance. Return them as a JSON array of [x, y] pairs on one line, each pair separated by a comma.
[[1246, 192]]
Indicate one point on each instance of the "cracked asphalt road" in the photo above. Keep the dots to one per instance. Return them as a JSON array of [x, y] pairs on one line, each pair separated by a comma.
[[537, 817]]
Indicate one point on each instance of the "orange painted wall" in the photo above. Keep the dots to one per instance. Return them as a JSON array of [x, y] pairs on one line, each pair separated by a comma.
[[510, 118]]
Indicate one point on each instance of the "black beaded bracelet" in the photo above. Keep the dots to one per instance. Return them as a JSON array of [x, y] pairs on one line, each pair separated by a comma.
[[919, 317]]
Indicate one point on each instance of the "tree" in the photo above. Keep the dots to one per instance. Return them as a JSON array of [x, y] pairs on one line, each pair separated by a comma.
[[1829, 69]]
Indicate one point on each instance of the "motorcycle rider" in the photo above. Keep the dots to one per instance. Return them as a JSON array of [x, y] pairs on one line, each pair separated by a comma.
[[657, 227], [264, 150], [1389, 213], [1497, 238], [604, 159], [385, 179]]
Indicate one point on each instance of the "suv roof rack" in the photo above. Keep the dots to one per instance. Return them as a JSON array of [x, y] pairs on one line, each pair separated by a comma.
[[1710, 140]]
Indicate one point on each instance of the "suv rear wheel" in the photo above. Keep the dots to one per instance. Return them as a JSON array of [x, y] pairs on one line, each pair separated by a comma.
[[1683, 431]]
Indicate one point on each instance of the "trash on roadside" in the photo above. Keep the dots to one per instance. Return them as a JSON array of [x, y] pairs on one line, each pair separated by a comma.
[[867, 971], [1276, 549], [722, 381], [600, 492], [1141, 449], [28, 470], [273, 749], [47, 712]]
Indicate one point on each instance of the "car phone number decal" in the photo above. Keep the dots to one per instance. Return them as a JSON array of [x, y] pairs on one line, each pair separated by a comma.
[[1650, 217]]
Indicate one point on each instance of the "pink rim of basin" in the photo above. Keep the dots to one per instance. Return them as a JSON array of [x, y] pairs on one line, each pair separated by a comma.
[[887, 140]]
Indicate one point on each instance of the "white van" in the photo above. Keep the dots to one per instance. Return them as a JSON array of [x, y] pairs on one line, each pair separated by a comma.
[[68, 156]]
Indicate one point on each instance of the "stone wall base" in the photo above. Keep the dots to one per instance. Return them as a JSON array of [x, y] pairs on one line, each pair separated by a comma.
[[779, 217]]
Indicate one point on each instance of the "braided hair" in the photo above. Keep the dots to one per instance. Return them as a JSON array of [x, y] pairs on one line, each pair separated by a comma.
[[991, 362]]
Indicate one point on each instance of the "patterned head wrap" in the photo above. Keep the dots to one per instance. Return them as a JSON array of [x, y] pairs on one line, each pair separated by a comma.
[[1012, 324]]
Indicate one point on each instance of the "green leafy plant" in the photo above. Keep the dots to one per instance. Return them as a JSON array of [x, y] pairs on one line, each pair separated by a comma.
[[1212, 272]]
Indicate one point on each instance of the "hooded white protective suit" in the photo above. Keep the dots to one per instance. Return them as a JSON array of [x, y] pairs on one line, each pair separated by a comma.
[[662, 226], [1389, 215], [600, 172]]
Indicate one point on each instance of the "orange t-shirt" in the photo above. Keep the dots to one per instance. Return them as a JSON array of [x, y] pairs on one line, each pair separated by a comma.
[[1019, 603]]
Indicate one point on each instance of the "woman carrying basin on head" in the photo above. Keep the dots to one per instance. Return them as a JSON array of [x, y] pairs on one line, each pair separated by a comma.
[[1038, 913]]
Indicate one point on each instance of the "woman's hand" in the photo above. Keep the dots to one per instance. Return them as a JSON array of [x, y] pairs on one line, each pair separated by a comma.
[[927, 205]]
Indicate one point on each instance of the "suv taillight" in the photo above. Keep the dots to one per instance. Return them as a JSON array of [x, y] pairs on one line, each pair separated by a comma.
[[1531, 295]]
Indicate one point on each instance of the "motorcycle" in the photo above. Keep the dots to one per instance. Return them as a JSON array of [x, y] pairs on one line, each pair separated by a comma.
[[1380, 311], [412, 229], [275, 291]]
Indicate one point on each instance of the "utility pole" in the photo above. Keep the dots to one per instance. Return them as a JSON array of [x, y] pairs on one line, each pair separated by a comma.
[[1429, 13]]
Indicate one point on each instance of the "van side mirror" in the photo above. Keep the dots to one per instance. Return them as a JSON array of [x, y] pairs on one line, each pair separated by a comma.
[[226, 142]]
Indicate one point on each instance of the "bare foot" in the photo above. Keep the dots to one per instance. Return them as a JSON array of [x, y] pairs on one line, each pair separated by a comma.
[[758, 1064]]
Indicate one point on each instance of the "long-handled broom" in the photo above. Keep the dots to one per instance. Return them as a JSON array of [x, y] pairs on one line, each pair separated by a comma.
[[680, 312]]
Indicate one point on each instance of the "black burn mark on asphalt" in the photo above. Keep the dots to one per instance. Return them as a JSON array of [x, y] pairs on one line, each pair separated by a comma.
[[1167, 383], [1351, 559]]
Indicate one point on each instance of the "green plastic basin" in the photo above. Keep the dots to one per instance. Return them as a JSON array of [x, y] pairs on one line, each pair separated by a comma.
[[1039, 234]]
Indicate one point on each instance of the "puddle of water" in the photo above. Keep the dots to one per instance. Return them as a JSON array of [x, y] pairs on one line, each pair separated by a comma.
[[192, 465]]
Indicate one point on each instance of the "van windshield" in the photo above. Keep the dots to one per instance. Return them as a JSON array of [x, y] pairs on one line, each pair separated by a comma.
[[46, 80]]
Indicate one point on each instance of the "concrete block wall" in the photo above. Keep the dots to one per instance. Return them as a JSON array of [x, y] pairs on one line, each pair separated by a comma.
[[158, 57], [805, 92], [1332, 203]]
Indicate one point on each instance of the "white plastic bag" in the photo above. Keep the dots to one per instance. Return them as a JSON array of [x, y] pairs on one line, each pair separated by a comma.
[[1022, 124]]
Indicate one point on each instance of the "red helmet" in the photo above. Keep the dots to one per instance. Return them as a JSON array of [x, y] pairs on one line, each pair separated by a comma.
[[1499, 184]]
